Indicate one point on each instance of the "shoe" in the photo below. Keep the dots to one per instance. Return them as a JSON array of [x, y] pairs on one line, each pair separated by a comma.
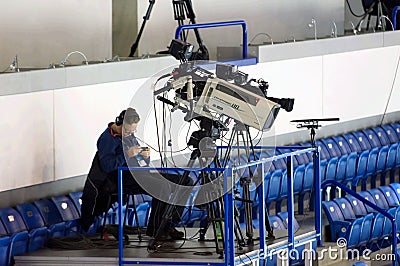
[[175, 234]]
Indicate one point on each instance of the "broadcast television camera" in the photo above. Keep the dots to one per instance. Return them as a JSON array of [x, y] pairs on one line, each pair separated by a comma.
[[200, 93]]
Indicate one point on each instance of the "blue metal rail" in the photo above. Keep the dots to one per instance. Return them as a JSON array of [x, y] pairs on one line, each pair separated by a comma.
[[373, 206], [214, 25], [229, 247]]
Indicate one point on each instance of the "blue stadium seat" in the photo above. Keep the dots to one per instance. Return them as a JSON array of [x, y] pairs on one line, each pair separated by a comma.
[[396, 128], [274, 187], [51, 217], [383, 136], [351, 168], [342, 144], [298, 179], [396, 189], [283, 192], [379, 198], [358, 206], [366, 230], [373, 138], [285, 218], [34, 222], [361, 169], [371, 168], [350, 230], [391, 134], [330, 174], [362, 140], [76, 199], [366, 195], [391, 162], [308, 183], [16, 229], [346, 208], [377, 231], [353, 143], [381, 166], [341, 169], [5, 242], [323, 150], [68, 213], [276, 222], [390, 196], [332, 147]]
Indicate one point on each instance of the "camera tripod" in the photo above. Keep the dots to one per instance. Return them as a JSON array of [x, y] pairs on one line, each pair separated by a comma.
[[182, 9], [242, 130]]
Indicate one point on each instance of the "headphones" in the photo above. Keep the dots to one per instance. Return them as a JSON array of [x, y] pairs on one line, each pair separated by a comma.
[[119, 120]]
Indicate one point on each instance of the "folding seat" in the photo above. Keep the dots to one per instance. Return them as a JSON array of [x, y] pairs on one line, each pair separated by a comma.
[[346, 208], [274, 187], [396, 128], [332, 147], [371, 169], [34, 222], [341, 169], [362, 140], [351, 168], [383, 136], [377, 231], [379, 198], [381, 166], [353, 143], [373, 138], [298, 179], [361, 172], [323, 150], [366, 230], [76, 199], [342, 144], [285, 218], [391, 134], [307, 186], [276, 222], [358, 206], [16, 229], [51, 217], [68, 213], [5, 242], [390, 196], [396, 189], [283, 194], [366, 195], [330, 174], [352, 231]]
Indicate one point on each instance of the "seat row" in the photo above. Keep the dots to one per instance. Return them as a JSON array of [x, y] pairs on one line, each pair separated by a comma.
[[26, 227], [351, 159], [362, 226]]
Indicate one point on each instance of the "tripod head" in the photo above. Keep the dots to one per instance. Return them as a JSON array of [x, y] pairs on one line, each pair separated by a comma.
[[312, 124]]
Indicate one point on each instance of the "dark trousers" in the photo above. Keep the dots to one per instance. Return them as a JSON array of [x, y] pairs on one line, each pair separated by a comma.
[[158, 208]]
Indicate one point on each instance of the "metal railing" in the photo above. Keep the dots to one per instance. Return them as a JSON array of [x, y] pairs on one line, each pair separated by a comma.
[[373, 206], [214, 25], [229, 182]]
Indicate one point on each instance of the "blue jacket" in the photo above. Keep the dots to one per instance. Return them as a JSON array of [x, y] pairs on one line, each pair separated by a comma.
[[110, 147]]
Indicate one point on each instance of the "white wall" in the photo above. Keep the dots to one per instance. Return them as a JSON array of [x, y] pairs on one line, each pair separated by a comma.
[[45, 31], [51, 135]]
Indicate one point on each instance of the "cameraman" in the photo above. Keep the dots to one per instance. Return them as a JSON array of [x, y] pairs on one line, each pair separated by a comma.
[[117, 138]]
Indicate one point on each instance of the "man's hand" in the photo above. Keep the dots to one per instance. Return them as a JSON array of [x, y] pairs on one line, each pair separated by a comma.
[[145, 153], [133, 151]]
